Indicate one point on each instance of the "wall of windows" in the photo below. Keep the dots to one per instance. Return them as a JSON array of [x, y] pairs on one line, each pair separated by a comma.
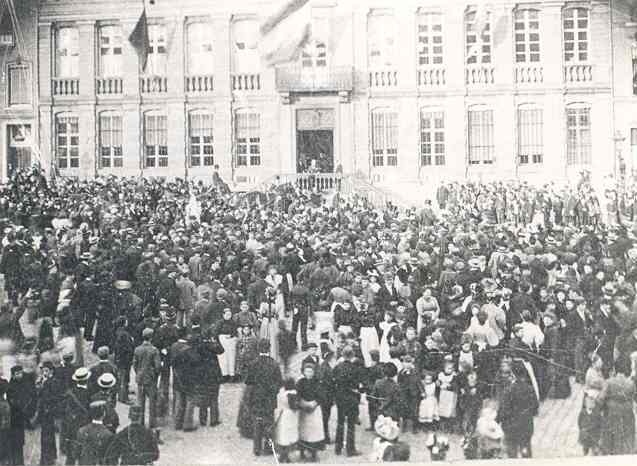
[[530, 135], [200, 38], [384, 138], [110, 51], [67, 141], [430, 39], [478, 37], [432, 137], [200, 137], [480, 138], [155, 140], [527, 36], [381, 34], [110, 141], [67, 53], [576, 38], [248, 138], [578, 128]]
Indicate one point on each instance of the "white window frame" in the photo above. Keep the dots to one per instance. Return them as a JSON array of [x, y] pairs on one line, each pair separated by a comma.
[[67, 142], [67, 55], [478, 46], [201, 151], [480, 136], [432, 137], [157, 64], [382, 33], [530, 132], [110, 50], [430, 32], [576, 38], [24, 94], [110, 131], [384, 128], [248, 138], [155, 139], [526, 23], [245, 53], [579, 150], [200, 46]]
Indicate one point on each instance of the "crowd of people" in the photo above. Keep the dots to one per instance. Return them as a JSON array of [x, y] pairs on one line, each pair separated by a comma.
[[455, 318]]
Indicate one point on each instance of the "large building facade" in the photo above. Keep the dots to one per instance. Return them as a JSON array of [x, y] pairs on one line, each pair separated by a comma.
[[398, 91]]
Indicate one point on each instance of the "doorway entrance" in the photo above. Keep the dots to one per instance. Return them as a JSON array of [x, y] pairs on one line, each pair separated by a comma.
[[315, 151], [18, 148]]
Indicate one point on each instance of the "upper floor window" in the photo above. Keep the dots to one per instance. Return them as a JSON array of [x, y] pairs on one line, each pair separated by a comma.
[[248, 138], [245, 56], [111, 154], [157, 52], [67, 53], [481, 139], [155, 140], [19, 84], [200, 51], [381, 33], [478, 36], [67, 141], [384, 138], [110, 38], [530, 135], [314, 54], [578, 141], [432, 138], [576, 35], [527, 36], [201, 139], [633, 51], [430, 39]]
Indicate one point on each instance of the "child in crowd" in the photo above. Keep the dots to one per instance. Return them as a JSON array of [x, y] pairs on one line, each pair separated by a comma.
[[409, 384], [428, 407], [386, 393], [246, 349], [286, 421], [447, 395], [374, 373], [489, 434], [287, 345], [590, 426]]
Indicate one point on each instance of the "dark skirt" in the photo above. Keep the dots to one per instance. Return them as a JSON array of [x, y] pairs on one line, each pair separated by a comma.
[[245, 420]]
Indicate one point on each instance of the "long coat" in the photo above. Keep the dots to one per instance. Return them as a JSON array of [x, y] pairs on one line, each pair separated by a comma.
[[209, 370], [518, 407], [75, 409], [22, 399], [618, 425], [264, 376], [93, 442]]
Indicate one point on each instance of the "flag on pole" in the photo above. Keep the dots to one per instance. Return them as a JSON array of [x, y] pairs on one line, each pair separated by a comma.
[[139, 39], [286, 32]]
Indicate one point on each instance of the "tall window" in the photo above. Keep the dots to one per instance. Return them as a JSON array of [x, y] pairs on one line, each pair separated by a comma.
[[478, 36], [381, 30], [157, 51], [248, 139], [111, 154], [200, 57], [530, 137], [432, 138], [633, 51], [527, 36], [67, 53], [155, 140], [315, 53], [19, 85], [384, 138], [576, 35], [201, 139], [245, 53], [578, 127], [67, 141], [430, 39], [110, 51], [481, 141]]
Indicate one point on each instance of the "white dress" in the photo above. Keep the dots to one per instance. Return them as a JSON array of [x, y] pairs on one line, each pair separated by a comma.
[[369, 342], [428, 409], [384, 343], [286, 429]]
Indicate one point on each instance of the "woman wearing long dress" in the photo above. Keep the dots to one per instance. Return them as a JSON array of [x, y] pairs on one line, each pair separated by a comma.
[[286, 421], [311, 434], [368, 333], [227, 333], [385, 327], [618, 418]]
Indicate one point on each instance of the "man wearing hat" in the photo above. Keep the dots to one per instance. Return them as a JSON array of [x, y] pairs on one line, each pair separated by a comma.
[[75, 407], [578, 329], [93, 440], [103, 366], [106, 392], [147, 365], [22, 400], [348, 377], [47, 411], [135, 444], [163, 339]]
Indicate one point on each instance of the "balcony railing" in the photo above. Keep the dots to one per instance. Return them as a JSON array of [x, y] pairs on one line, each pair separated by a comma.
[[246, 82], [579, 73], [480, 74], [199, 83], [431, 77], [383, 79], [109, 86], [153, 84], [529, 74], [65, 86], [295, 79], [320, 181]]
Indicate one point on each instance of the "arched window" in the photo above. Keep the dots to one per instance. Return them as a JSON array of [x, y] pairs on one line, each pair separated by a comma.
[[245, 54], [432, 136], [430, 39], [110, 51], [578, 132], [200, 138], [155, 139], [384, 127], [530, 134], [527, 36], [110, 141], [480, 138], [67, 52], [477, 23], [19, 83], [67, 141], [381, 39], [200, 37], [576, 35], [248, 137]]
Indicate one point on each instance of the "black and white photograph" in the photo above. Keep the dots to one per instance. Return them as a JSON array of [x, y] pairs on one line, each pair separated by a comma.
[[317, 231]]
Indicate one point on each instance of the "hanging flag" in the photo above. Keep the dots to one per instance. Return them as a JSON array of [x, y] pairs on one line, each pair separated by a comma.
[[139, 39], [285, 33]]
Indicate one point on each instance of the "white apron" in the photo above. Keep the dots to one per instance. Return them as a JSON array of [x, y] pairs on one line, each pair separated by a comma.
[[369, 342], [311, 425], [227, 360]]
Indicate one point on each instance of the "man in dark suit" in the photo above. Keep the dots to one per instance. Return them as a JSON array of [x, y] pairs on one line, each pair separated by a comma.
[[147, 364], [63, 374], [578, 326], [93, 441], [135, 444], [103, 366], [348, 378], [264, 375], [22, 400], [75, 411], [210, 378]]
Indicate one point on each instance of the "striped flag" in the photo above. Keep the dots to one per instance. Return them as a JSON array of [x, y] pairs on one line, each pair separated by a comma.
[[285, 33]]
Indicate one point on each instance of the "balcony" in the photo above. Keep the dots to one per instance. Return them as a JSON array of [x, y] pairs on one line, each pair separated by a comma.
[[109, 86], [578, 73], [246, 82], [528, 74], [479, 75], [383, 79], [153, 84], [328, 79], [431, 77], [65, 86], [199, 84]]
